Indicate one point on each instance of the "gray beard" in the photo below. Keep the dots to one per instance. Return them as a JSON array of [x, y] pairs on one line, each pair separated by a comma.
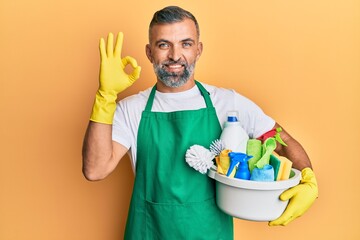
[[174, 80]]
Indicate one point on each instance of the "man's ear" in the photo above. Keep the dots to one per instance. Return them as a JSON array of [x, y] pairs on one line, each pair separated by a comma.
[[199, 50], [148, 52]]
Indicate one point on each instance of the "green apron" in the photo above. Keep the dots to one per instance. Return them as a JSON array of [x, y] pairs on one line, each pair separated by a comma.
[[170, 199]]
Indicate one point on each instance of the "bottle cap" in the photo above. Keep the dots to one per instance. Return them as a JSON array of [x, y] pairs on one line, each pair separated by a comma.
[[232, 116], [232, 119]]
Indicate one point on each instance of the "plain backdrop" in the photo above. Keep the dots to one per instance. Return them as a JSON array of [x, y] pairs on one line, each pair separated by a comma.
[[298, 60]]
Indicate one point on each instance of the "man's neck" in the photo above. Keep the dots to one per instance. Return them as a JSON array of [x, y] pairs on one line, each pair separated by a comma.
[[161, 87]]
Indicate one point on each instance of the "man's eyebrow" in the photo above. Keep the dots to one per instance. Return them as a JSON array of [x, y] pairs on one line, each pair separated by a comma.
[[162, 41], [188, 40], [167, 41]]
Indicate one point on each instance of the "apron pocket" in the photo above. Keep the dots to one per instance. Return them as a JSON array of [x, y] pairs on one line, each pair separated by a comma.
[[186, 221]]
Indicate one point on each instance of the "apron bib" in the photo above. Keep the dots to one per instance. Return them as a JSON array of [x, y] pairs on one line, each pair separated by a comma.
[[170, 199]]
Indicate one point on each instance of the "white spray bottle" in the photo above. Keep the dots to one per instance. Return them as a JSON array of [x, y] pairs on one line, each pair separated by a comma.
[[233, 135]]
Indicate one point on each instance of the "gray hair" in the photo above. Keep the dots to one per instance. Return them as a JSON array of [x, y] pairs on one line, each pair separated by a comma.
[[172, 14]]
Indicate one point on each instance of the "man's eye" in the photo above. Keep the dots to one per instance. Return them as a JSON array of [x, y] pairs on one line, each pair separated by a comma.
[[163, 45], [187, 44]]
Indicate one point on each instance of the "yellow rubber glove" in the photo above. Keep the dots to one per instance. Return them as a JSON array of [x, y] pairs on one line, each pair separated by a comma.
[[301, 198], [113, 79]]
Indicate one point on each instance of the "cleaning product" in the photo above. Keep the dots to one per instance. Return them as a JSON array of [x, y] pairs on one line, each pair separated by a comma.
[[285, 168], [268, 148], [265, 174], [275, 133], [254, 148], [218, 166], [224, 162], [240, 160], [233, 135], [216, 147], [199, 158], [275, 163]]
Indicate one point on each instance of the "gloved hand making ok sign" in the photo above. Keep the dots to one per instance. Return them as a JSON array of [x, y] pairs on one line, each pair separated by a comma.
[[113, 79]]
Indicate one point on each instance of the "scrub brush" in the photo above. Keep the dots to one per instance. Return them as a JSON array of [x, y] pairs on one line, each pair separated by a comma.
[[217, 146], [199, 158]]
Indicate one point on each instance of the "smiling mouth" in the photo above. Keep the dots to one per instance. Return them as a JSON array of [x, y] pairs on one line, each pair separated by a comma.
[[174, 67]]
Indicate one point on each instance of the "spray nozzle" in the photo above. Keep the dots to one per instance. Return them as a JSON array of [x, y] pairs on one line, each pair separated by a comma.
[[275, 133]]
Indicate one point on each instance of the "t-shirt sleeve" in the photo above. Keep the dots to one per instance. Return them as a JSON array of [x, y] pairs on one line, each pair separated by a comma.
[[255, 121], [121, 128]]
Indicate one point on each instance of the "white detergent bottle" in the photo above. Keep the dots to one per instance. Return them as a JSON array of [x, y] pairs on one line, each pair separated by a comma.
[[233, 135]]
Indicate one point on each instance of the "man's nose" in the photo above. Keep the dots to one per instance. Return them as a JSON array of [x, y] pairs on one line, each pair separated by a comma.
[[175, 53]]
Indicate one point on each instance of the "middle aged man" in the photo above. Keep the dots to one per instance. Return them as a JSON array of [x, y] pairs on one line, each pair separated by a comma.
[[156, 126]]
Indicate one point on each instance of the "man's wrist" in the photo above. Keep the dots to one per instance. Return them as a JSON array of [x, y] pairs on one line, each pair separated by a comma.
[[104, 107]]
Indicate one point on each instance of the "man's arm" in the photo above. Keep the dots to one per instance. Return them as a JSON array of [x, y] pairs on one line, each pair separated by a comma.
[[302, 196], [293, 151], [100, 154]]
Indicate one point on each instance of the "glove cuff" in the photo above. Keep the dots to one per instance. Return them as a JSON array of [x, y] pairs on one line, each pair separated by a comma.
[[308, 176], [307, 173], [104, 107]]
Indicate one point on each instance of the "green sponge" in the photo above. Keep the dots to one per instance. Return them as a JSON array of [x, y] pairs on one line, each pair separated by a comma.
[[275, 163], [268, 148], [254, 148]]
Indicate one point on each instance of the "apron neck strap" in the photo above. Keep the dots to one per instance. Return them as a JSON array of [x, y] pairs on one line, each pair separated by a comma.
[[205, 94], [151, 99], [203, 91]]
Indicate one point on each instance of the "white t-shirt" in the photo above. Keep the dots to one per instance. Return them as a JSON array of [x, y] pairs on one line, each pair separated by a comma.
[[128, 112]]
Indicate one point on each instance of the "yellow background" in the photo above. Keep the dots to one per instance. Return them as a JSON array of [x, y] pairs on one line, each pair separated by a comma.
[[299, 60]]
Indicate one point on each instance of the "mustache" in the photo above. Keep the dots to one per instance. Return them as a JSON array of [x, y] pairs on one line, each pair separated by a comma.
[[169, 62]]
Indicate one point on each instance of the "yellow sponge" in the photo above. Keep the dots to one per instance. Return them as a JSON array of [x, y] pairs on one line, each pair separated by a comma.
[[285, 168], [223, 163]]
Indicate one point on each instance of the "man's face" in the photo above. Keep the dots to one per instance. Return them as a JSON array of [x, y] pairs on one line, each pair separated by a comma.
[[173, 50]]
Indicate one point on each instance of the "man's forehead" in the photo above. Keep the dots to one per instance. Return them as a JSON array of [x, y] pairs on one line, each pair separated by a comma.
[[176, 31]]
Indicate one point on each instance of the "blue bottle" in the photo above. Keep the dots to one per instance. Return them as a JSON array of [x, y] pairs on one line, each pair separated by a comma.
[[240, 159]]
